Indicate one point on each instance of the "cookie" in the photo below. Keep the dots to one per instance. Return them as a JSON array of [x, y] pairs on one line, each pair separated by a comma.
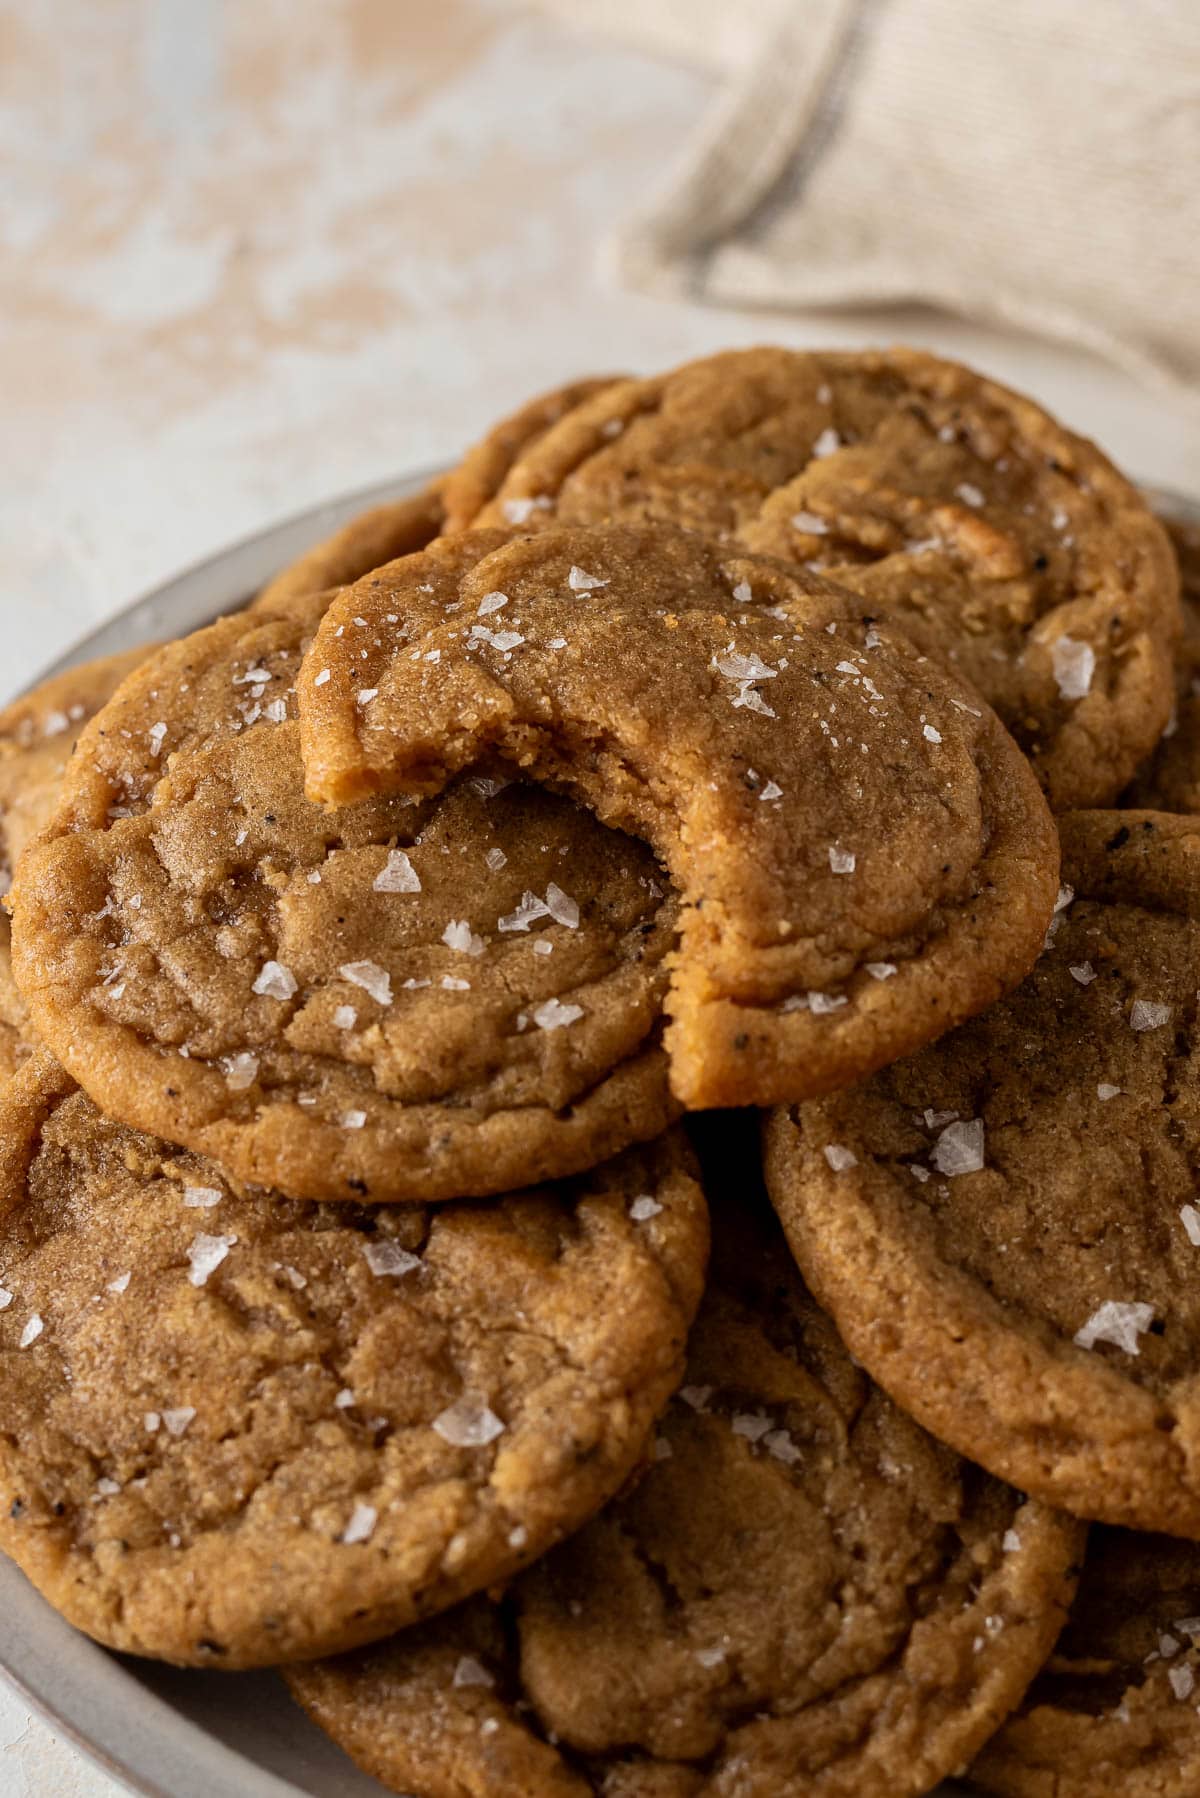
[[862, 852], [38, 731], [1000, 542], [394, 1000], [803, 1595], [1115, 1709], [1005, 1226], [240, 1429], [477, 479], [37, 735], [1170, 780], [400, 527], [378, 535]]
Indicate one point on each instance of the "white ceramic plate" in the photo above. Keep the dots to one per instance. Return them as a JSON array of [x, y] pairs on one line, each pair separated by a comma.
[[165, 1732]]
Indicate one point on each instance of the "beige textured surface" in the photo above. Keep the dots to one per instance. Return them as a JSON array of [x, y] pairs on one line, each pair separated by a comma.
[[229, 292]]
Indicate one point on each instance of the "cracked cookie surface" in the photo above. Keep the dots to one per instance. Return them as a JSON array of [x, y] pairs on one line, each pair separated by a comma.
[[862, 853], [1115, 1709], [237, 1429], [1005, 1226], [803, 1594], [1003, 544], [392, 1000]]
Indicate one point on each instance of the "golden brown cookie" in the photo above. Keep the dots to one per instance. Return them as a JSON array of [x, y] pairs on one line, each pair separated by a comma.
[[400, 527], [1006, 1226], [1170, 779], [38, 731], [238, 1430], [804, 1596], [1000, 542], [37, 735], [393, 1000], [1115, 1709], [863, 853], [482, 472], [378, 535]]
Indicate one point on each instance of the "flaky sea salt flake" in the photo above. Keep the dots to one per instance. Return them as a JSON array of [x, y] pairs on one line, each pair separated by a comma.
[[959, 1149], [468, 1423], [580, 581], [1148, 1014], [205, 1254], [643, 1208], [202, 1198], [388, 1260], [361, 1526], [375, 981], [1182, 1681], [1074, 664], [552, 1014], [397, 875], [470, 1672], [32, 1331], [275, 981], [459, 936], [563, 909], [240, 1070], [1116, 1322], [839, 1157]]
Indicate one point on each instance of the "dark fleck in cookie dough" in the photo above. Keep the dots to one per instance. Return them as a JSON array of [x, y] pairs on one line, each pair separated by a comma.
[[1006, 1226], [1115, 1710], [390, 1001], [1001, 543], [863, 854], [236, 1430], [804, 1596]]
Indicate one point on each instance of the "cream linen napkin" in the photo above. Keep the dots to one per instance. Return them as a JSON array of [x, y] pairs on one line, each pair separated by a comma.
[[1034, 163]]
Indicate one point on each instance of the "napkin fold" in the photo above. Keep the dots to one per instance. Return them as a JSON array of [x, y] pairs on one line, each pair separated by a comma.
[[1035, 164]]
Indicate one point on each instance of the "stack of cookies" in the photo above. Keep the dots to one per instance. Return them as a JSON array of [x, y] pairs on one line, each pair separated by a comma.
[[599, 1157]]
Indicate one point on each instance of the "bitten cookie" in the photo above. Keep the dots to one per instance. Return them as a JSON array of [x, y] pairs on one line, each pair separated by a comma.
[[1116, 1708], [1006, 1226], [390, 1001], [862, 852], [237, 1430], [1001, 543], [804, 1596]]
